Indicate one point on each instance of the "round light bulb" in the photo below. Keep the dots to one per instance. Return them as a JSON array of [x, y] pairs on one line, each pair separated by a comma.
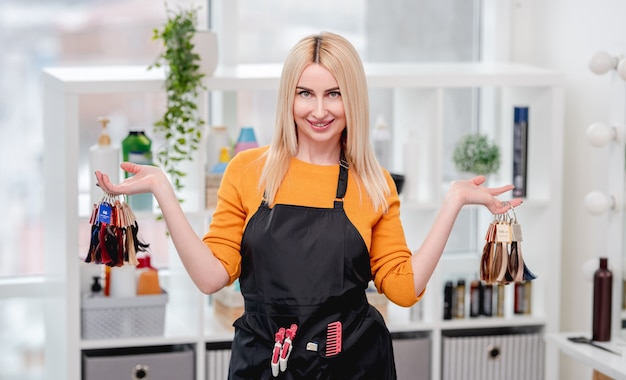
[[621, 68], [598, 203], [589, 269], [599, 134], [602, 62]]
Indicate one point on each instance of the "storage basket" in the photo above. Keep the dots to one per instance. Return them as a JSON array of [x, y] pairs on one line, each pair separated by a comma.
[[379, 301], [228, 304], [122, 317]]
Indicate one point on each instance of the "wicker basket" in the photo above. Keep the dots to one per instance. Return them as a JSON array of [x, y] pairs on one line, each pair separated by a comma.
[[123, 317]]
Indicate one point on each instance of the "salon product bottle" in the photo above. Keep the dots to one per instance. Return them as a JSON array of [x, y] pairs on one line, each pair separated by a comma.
[[460, 299], [246, 140], [104, 157], [123, 281], [96, 287], [475, 298], [520, 150], [487, 300], [145, 262], [220, 165], [216, 140], [448, 293], [147, 277], [381, 139], [107, 281], [518, 298], [528, 292], [602, 298], [214, 177], [137, 148], [500, 300]]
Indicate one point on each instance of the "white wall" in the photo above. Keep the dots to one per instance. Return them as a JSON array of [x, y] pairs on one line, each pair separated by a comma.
[[563, 35]]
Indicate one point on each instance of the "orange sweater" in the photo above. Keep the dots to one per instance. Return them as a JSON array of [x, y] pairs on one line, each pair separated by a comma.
[[312, 185]]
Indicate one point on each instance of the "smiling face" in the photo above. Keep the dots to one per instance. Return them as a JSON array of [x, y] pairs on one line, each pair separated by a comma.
[[319, 114]]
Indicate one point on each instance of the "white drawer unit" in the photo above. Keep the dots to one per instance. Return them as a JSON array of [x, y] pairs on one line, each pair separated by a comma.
[[493, 357]]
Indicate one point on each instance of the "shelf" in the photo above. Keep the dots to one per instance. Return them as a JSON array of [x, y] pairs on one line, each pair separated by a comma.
[[492, 322], [138, 341], [609, 364], [118, 79]]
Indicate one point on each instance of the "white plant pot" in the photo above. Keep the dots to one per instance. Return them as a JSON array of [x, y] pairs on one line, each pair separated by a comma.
[[205, 45]]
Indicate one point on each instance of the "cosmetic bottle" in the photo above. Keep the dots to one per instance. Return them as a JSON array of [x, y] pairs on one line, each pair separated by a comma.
[[123, 282], [147, 277], [104, 157], [96, 287], [475, 298], [214, 177], [602, 289], [460, 299], [246, 140], [381, 139], [528, 297], [223, 159], [487, 300], [518, 298], [217, 139], [448, 292], [500, 300], [137, 148]]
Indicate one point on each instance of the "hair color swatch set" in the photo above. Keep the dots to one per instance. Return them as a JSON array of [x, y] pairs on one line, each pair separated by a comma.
[[114, 240], [502, 261]]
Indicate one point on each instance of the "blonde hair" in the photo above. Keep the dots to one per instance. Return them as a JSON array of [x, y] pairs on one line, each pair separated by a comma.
[[339, 57]]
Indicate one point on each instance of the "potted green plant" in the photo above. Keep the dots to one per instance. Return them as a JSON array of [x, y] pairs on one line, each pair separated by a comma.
[[474, 153], [181, 123]]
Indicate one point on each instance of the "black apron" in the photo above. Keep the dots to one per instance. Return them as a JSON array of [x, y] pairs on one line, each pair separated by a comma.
[[309, 267]]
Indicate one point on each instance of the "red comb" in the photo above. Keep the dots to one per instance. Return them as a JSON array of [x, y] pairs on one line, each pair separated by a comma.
[[333, 338]]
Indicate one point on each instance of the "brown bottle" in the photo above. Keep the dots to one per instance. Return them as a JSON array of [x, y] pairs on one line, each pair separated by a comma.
[[448, 300], [475, 299], [602, 288]]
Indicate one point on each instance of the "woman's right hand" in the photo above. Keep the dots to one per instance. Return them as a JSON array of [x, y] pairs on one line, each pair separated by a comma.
[[145, 179]]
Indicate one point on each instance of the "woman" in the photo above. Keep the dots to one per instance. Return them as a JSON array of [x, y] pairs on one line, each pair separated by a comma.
[[305, 223]]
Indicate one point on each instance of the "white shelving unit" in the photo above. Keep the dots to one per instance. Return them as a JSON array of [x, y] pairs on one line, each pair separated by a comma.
[[189, 319]]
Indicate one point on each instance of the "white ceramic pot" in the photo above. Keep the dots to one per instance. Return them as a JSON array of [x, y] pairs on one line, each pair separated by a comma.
[[205, 45]]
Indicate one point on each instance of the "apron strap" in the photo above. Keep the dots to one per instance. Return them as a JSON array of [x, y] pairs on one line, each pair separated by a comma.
[[342, 181]]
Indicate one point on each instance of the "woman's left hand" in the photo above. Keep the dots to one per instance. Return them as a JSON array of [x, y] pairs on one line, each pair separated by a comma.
[[471, 192]]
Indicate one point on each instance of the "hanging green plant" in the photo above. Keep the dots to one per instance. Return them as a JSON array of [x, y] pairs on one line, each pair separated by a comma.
[[474, 153], [181, 124]]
